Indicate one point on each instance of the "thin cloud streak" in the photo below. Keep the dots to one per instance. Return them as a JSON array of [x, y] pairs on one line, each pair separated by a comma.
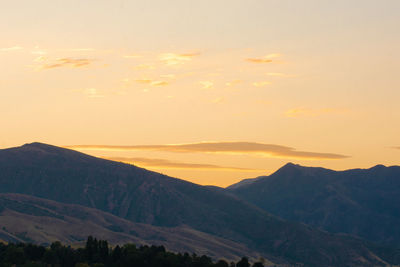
[[241, 148], [93, 93], [176, 59], [68, 62], [279, 74], [206, 84], [13, 48], [152, 82], [267, 59], [261, 84], [233, 83], [167, 164]]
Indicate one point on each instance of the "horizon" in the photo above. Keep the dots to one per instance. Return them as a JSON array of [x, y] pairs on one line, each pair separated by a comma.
[[288, 163], [210, 92]]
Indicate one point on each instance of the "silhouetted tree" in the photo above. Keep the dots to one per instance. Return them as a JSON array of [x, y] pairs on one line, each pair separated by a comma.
[[258, 264], [97, 253], [244, 262]]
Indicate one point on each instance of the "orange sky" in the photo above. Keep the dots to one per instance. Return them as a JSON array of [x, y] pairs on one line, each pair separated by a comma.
[[208, 91]]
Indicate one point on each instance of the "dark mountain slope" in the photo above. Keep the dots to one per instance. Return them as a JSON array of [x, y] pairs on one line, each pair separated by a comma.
[[147, 197], [245, 182], [360, 202]]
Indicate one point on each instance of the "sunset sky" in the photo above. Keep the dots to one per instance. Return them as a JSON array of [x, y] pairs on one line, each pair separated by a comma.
[[210, 91]]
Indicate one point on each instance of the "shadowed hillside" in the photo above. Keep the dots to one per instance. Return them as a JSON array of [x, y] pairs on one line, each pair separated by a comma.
[[25, 218]]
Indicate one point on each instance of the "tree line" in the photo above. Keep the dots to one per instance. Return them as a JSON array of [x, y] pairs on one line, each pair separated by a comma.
[[98, 253]]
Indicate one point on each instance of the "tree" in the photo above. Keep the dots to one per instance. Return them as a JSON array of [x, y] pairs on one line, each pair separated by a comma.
[[244, 262], [221, 263], [258, 264]]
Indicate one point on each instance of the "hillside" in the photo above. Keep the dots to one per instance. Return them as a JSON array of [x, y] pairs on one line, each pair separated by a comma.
[[142, 196], [362, 202], [30, 219]]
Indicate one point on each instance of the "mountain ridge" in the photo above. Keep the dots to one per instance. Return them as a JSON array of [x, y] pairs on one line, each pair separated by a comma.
[[142, 196], [361, 202]]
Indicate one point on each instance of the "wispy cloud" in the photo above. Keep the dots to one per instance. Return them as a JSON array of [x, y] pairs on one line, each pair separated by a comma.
[[152, 82], [396, 147], [266, 59], [233, 83], [168, 164], [168, 76], [243, 148], [206, 84], [261, 84], [67, 62], [176, 59], [279, 74], [12, 48], [91, 92], [144, 67], [308, 112]]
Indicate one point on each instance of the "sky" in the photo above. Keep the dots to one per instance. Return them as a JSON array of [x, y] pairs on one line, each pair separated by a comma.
[[207, 91]]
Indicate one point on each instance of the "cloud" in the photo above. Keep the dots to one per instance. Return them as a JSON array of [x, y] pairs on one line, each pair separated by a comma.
[[152, 82], [308, 112], [91, 92], [67, 62], [259, 60], [279, 74], [167, 164], [168, 76], [267, 59], [40, 59], [261, 84], [206, 84], [13, 48], [176, 59], [144, 67], [396, 147], [233, 83], [242, 148]]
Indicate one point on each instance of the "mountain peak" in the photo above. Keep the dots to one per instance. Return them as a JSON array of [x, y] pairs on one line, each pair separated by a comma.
[[378, 167], [295, 169], [37, 144], [291, 166]]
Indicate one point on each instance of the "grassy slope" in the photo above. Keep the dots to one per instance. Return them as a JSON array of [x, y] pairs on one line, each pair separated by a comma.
[[30, 219]]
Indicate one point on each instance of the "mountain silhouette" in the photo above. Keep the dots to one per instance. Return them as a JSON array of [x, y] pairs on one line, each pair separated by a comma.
[[362, 202], [142, 196]]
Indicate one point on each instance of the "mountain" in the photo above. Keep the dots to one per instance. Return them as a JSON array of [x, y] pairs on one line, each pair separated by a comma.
[[244, 182], [361, 202], [26, 218], [142, 196]]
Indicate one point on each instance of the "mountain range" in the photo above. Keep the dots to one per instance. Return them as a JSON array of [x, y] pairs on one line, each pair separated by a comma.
[[45, 189], [360, 202]]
